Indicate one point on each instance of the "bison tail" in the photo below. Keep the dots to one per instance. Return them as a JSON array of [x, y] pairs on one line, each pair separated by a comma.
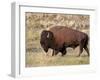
[[86, 40]]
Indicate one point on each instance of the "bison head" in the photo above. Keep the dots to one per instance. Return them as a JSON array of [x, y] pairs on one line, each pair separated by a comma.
[[46, 40]]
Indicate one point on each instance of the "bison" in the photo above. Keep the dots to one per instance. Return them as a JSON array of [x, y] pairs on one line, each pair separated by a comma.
[[59, 38]]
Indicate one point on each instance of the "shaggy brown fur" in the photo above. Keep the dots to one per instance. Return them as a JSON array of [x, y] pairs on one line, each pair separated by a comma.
[[59, 38]]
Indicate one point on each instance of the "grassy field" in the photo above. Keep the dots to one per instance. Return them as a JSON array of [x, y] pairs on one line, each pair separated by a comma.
[[36, 22], [34, 59]]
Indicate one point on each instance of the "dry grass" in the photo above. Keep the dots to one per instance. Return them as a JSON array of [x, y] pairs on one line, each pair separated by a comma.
[[34, 59], [38, 59]]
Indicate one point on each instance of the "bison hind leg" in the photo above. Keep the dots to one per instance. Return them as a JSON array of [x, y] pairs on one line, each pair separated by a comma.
[[63, 51], [87, 50], [81, 49]]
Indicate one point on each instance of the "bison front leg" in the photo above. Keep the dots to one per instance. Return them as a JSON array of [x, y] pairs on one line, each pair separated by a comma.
[[87, 50], [81, 49], [55, 52]]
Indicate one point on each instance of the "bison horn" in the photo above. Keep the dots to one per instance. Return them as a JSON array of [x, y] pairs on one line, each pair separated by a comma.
[[48, 35]]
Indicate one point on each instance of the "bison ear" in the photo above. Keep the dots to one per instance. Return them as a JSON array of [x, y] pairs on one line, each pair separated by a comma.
[[50, 35]]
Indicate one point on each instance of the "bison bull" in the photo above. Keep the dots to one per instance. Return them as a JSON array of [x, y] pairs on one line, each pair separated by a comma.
[[59, 38]]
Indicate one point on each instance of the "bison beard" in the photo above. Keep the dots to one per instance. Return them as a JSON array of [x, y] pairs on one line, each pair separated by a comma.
[[59, 38]]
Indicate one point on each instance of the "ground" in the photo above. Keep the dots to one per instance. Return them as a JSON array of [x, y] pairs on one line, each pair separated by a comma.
[[42, 59]]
